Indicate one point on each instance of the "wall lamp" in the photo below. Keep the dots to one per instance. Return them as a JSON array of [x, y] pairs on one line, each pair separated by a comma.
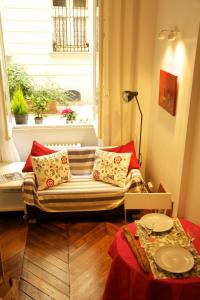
[[127, 97], [170, 35]]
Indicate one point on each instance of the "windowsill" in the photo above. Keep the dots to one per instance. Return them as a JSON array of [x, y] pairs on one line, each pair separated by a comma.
[[59, 127], [53, 121], [84, 118], [37, 126]]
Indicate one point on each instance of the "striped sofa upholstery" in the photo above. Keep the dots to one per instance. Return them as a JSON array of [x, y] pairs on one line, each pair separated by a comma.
[[81, 160], [82, 193]]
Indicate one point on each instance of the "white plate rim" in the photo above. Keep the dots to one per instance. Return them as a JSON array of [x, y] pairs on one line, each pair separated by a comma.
[[163, 216], [178, 248]]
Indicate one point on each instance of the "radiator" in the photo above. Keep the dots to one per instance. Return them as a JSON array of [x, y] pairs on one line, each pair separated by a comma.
[[62, 146]]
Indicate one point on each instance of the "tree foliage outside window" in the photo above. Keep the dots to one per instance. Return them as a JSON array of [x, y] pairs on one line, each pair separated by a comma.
[[18, 77]]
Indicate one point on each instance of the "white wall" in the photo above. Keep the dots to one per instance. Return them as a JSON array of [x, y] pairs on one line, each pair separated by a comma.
[[28, 32], [147, 12], [24, 135], [189, 207], [168, 157], [167, 134]]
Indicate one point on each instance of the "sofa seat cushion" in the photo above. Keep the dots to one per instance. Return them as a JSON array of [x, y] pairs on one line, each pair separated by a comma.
[[82, 193]]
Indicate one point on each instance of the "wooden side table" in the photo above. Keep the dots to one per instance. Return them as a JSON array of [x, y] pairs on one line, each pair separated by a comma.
[[11, 191]]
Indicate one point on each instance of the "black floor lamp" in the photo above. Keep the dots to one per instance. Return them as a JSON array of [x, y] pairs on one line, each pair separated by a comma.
[[127, 97]]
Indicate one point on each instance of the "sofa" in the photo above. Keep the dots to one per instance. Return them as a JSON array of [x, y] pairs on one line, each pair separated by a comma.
[[82, 193]]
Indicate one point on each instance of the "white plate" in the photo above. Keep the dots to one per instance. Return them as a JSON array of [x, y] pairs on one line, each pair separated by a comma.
[[174, 259], [157, 222]]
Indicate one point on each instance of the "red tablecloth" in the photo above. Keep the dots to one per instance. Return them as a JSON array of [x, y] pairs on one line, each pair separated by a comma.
[[127, 281]]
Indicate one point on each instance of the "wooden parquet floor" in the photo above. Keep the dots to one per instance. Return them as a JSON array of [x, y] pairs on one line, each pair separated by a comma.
[[63, 260]]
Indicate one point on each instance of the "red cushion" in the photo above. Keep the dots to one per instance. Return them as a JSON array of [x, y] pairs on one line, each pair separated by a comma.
[[127, 148], [36, 150]]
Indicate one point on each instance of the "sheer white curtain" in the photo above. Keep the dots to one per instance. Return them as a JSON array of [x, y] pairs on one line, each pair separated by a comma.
[[118, 22], [8, 151]]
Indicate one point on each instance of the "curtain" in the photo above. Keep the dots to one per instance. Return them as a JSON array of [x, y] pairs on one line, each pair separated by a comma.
[[118, 34], [8, 151]]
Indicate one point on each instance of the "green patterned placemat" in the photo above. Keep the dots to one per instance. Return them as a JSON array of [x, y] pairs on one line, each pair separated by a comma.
[[176, 236]]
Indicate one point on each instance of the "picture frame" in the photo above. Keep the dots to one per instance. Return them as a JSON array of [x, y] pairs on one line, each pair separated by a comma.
[[168, 88]]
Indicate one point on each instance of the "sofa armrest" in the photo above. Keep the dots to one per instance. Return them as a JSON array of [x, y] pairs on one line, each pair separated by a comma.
[[29, 188], [135, 182]]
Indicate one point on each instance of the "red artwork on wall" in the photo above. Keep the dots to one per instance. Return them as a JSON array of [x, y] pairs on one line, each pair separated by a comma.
[[168, 91]]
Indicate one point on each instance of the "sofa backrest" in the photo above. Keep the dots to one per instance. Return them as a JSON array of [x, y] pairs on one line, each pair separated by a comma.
[[81, 160]]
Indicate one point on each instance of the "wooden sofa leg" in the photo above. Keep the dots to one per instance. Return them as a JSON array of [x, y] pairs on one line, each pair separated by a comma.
[[25, 216], [32, 221]]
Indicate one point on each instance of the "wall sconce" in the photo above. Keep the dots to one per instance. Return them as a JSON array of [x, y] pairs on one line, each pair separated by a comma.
[[170, 35], [127, 97], [162, 34]]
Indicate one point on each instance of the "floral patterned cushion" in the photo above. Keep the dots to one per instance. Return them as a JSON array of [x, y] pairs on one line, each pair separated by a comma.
[[52, 169], [111, 167]]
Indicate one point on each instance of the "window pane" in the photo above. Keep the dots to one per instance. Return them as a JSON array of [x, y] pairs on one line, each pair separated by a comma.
[[79, 3], [59, 2]]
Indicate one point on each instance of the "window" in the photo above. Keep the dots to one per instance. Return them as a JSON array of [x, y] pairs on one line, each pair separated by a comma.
[[70, 19], [66, 78], [79, 3], [59, 2]]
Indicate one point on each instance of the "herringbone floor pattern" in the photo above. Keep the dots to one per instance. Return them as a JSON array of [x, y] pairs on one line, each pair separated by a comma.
[[66, 260]]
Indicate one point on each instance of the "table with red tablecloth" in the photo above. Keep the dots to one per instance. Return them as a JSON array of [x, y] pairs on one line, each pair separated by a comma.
[[127, 281]]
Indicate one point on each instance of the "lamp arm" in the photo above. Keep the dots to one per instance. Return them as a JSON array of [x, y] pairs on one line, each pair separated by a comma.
[[141, 119]]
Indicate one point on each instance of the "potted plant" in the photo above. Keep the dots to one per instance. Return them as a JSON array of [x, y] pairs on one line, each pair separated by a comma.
[[19, 107], [39, 106], [69, 114], [55, 95]]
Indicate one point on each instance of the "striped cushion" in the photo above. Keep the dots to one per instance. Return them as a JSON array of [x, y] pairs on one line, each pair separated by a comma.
[[81, 160]]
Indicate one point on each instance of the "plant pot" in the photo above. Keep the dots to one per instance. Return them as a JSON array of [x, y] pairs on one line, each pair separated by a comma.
[[21, 119], [52, 107], [38, 120], [70, 121]]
